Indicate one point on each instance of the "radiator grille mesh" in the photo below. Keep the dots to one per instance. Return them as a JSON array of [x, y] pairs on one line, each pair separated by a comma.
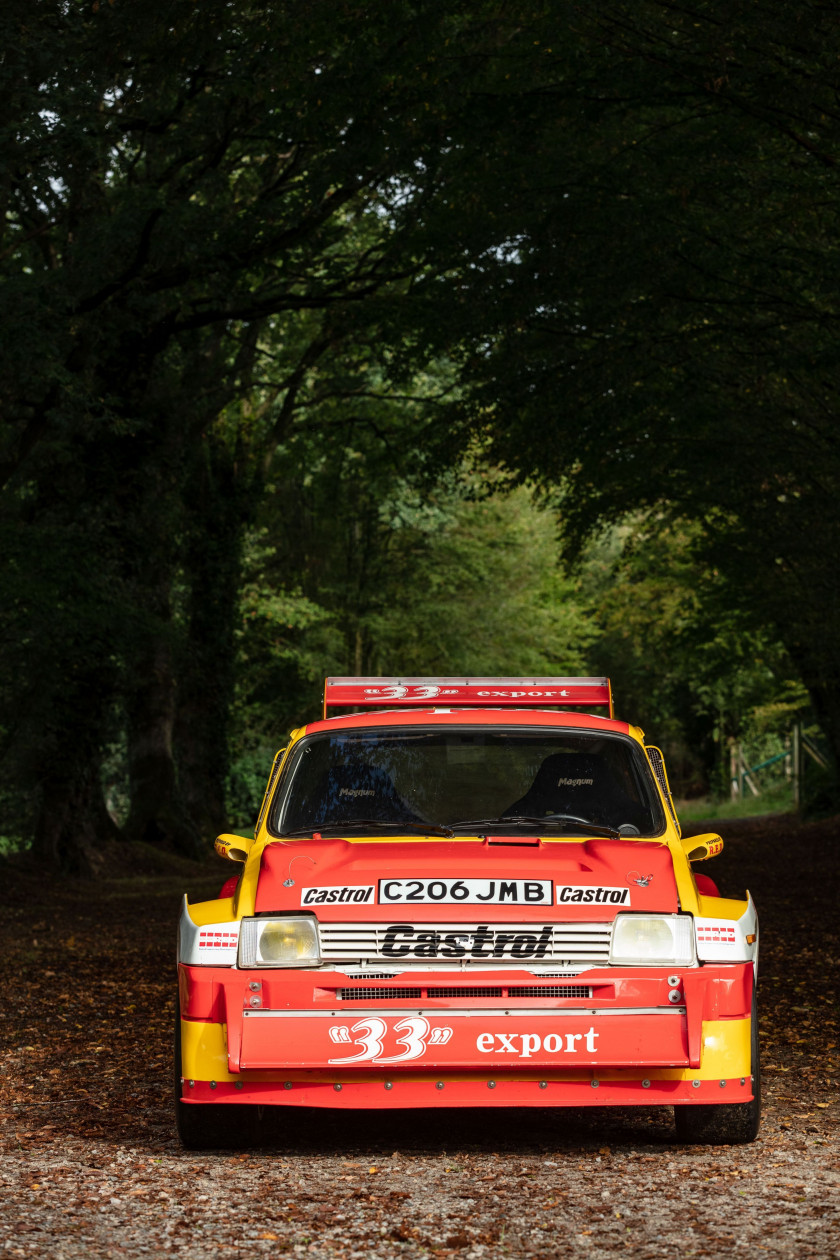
[[455, 992], [378, 995], [464, 991], [551, 991]]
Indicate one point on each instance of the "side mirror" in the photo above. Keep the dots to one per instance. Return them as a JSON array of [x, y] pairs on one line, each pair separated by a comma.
[[698, 848], [234, 848]]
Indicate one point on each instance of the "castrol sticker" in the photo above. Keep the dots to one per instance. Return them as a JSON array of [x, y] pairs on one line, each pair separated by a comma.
[[358, 894], [576, 895], [466, 892]]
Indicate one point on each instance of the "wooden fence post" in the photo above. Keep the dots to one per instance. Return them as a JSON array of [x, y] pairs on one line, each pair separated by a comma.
[[734, 778]]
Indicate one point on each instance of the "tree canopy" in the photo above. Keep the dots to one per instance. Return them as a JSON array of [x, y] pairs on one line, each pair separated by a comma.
[[269, 276]]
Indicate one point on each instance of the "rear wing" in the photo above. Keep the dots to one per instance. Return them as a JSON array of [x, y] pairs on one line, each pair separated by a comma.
[[485, 693]]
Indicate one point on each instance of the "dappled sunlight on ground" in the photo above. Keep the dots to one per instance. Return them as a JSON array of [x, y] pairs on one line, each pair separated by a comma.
[[91, 1166]]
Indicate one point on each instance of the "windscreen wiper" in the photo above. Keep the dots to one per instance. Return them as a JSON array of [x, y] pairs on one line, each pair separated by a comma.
[[553, 820], [432, 829]]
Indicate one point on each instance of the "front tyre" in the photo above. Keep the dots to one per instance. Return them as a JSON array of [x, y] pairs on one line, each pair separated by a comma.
[[208, 1126], [725, 1124]]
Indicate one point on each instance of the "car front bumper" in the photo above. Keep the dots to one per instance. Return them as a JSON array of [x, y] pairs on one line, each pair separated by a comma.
[[287, 1039]]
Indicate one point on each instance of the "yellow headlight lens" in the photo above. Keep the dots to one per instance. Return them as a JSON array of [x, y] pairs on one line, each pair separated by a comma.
[[652, 939], [285, 942], [280, 942]]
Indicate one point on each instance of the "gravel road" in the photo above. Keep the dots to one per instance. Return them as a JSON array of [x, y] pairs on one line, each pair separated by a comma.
[[91, 1167]]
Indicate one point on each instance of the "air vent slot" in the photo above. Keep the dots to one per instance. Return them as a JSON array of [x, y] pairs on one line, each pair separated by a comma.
[[551, 991], [374, 975], [395, 994], [379, 995], [513, 844], [452, 991]]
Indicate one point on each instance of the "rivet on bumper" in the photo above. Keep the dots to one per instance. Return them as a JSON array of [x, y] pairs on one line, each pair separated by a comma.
[[389, 1084], [238, 1085], [645, 1084], [287, 1084], [439, 1085], [337, 1088], [491, 1084], [543, 1084], [723, 1084], [212, 1084], [695, 1084]]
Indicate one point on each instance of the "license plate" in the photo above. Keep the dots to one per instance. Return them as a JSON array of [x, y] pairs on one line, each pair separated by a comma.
[[466, 892]]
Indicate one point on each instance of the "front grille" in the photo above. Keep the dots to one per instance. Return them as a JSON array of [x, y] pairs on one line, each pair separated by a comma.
[[464, 991], [572, 946], [551, 991], [455, 992], [373, 975], [378, 995]]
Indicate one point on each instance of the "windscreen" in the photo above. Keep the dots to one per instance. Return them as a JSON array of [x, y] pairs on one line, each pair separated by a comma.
[[457, 779]]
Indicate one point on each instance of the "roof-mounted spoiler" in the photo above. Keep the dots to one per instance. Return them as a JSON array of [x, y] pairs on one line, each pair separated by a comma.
[[487, 693]]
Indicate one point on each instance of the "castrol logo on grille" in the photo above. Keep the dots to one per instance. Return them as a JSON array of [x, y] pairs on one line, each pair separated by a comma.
[[404, 939]]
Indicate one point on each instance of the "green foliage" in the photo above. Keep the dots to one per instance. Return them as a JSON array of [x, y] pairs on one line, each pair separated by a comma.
[[461, 579], [266, 272], [687, 664], [665, 327], [473, 586], [778, 800]]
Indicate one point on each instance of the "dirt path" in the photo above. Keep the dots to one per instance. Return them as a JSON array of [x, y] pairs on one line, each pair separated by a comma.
[[91, 1166]]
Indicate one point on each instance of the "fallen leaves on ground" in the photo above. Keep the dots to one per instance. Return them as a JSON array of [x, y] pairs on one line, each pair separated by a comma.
[[91, 1166]]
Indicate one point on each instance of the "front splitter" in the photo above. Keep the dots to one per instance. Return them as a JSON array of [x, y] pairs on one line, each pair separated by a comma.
[[449, 1091]]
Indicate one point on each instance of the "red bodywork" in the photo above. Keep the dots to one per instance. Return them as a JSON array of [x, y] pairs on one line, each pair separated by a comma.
[[466, 1036], [645, 869]]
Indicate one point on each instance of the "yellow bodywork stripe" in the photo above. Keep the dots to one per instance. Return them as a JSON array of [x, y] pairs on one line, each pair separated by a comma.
[[218, 911], [204, 1055]]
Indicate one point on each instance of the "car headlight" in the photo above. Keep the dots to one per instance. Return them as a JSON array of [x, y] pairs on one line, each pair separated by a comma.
[[279, 942], [651, 939]]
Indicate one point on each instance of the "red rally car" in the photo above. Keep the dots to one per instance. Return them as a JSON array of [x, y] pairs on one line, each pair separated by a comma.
[[469, 894]]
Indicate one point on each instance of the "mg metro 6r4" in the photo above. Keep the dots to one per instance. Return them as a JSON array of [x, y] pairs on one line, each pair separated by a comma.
[[468, 893]]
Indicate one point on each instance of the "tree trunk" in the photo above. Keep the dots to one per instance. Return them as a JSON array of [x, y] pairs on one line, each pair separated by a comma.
[[158, 814], [74, 831], [219, 511]]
